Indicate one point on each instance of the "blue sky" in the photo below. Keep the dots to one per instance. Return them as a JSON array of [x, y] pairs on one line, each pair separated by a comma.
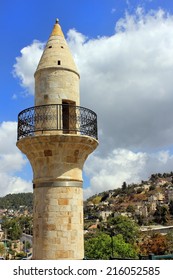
[[124, 53]]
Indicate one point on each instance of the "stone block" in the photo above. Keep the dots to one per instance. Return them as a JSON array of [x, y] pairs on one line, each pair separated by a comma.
[[63, 201]]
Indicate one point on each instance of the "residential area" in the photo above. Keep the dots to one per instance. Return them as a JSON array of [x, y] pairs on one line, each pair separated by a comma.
[[16, 226], [140, 215], [147, 203]]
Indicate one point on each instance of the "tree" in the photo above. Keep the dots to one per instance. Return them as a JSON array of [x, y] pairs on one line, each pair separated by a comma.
[[15, 226], [98, 247], [14, 201], [156, 244], [27, 245], [12, 228], [130, 209], [123, 249], [152, 188], [103, 246], [96, 200], [124, 186], [141, 220], [125, 226], [161, 214], [171, 207], [26, 223]]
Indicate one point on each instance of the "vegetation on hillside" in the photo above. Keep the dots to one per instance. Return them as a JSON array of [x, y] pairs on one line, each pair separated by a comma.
[[15, 201], [14, 227], [104, 246], [115, 238], [118, 235]]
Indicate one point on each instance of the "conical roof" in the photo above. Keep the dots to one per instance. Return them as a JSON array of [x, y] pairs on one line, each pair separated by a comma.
[[57, 53]]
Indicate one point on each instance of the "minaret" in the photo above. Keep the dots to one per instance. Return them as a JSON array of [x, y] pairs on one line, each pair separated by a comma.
[[57, 135]]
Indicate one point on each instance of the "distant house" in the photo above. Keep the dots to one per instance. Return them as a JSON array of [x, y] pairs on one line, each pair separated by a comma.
[[90, 205], [162, 181], [94, 226], [26, 237], [142, 210], [152, 206], [146, 187], [160, 196], [152, 198], [3, 212], [105, 214], [124, 214]]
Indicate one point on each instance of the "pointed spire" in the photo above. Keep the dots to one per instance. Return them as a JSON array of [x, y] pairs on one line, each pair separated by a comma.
[[57, 53], [57, 29]]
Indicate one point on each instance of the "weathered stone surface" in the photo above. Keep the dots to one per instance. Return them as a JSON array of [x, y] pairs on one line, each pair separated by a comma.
[[61, 226], [57, 159], [61, 163]]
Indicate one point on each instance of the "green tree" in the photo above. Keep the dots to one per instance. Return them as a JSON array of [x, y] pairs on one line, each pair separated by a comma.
[[12, 228], [161, 214], [14, 201], [171, 207], [124, 186], [26, 223], [125, 226], [27, 245], [104, 247], [122, 249], [98, 247], [152, 188], [130, 209], [96, 200]]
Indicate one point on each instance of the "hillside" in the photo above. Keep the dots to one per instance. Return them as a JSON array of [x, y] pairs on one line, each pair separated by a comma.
[[149, 202], [15, 201], [137, 216]]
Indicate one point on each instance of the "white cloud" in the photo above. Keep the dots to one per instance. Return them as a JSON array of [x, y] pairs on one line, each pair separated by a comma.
[[8, 136], [111, 171], [13, 184], [127, 80], [123, 165], [130, 73], [26, 65], [11, 161]]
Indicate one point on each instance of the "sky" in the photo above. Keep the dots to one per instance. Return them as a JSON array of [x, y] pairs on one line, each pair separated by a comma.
[[124, 52]]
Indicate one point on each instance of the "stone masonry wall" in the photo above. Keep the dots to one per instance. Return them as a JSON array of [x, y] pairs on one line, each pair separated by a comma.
[[57, 162], [58, 223]]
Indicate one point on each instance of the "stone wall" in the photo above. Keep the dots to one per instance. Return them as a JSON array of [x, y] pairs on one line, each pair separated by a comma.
[[57, 162]]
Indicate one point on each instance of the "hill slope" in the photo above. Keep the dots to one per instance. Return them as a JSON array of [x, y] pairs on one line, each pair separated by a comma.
[[14, 201]]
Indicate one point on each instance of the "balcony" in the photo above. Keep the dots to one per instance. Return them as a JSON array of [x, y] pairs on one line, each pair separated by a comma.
[[65, 118]]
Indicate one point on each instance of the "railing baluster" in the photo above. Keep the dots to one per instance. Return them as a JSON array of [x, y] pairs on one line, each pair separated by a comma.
[[49, 118]]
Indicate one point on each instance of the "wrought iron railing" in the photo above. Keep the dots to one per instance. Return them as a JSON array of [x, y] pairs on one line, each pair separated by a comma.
[[61, 117]]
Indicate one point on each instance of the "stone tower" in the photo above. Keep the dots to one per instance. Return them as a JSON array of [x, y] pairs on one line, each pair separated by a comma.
[[57, 135]]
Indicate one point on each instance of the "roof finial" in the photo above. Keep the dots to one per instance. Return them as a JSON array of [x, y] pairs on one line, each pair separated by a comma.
[[57, 20]]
